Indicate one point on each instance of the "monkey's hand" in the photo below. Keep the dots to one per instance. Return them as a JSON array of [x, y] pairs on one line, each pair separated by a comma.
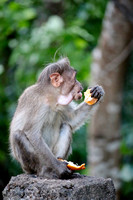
[[64, 172], [97, 92]]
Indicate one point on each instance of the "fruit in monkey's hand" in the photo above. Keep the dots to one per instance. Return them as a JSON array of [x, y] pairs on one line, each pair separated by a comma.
[[88, 99], [73, 166]]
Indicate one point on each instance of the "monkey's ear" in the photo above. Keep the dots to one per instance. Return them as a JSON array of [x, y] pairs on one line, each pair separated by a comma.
[[56, 79]]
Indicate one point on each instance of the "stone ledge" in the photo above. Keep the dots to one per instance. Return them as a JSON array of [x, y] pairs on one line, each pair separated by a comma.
[[27, 187]]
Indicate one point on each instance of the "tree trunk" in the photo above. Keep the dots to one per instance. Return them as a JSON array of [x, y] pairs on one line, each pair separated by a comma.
[[108, 69]]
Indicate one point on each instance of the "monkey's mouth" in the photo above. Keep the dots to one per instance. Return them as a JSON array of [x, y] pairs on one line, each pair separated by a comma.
[[79, 95]]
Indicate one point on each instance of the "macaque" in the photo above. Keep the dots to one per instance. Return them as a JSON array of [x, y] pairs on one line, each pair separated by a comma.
[[45, 118]]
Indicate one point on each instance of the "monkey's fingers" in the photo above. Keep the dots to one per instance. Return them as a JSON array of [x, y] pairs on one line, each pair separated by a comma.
[[97, 92], [92, 89]]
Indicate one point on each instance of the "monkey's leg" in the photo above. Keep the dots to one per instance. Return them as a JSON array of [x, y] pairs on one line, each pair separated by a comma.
[[45, 164], [34, 155], [24, 153], [63, 146], [32, 162]]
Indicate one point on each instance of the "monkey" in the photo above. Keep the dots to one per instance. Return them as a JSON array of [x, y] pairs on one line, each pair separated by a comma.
[[45, 118]]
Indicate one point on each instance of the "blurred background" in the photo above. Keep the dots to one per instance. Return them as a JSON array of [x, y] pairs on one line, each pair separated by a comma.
[[97, 37]]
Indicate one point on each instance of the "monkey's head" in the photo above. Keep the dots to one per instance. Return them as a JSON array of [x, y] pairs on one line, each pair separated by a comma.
[[61, 77]]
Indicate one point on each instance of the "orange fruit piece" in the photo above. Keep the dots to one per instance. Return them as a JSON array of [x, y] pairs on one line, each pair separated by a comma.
[[73, 166], [88, 99]]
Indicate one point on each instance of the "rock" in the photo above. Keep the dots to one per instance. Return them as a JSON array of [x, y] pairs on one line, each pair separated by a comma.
[[28, 187]]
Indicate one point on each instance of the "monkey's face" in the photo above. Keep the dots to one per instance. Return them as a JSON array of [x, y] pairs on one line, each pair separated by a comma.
[[70, 88]]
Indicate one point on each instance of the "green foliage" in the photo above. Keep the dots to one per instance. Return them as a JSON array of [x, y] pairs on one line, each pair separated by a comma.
[[15, 18]]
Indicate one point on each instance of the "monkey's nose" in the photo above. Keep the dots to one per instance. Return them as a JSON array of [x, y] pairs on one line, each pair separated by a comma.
[[80, 95]]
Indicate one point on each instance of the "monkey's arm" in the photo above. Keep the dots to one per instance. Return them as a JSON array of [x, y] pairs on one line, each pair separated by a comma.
[[83, 111], [81, 114], [62, 147]]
